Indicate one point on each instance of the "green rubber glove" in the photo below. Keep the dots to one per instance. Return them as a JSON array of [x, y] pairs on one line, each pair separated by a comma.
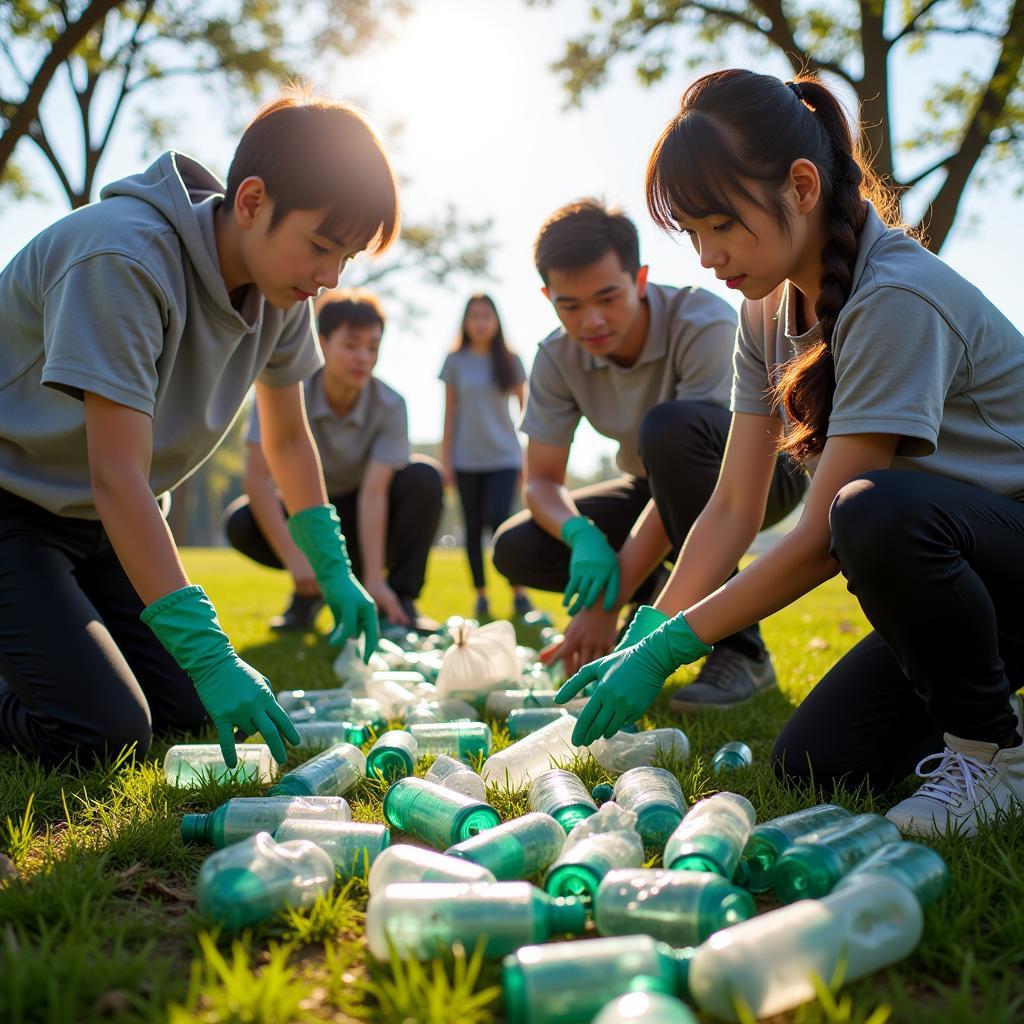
[[645, 620], [317, 532], [593, 566], [629, 680], [233, 693]]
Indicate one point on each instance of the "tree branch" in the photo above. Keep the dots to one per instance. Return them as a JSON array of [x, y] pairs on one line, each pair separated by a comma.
[[38, 135], [781, 34], [912, 24], [10, 58], [909, 183]]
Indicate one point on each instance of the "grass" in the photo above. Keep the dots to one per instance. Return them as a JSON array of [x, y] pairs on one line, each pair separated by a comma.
[[99, 923]]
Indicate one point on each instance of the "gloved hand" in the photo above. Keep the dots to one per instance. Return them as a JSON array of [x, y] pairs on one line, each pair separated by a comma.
[[630, 679], [317, 533], [646, 619], [233, 693], [593, 566]]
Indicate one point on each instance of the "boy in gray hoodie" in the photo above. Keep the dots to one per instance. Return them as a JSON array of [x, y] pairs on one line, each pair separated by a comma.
[[132, 331]]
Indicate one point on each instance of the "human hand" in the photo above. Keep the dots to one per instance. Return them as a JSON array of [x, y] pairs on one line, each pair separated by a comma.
[[302, 575], [589, 635], [387, 601]]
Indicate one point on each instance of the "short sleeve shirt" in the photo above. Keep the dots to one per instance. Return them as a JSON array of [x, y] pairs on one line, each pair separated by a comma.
[[919, 352], [484, 436], [376, 429], [687, 355]]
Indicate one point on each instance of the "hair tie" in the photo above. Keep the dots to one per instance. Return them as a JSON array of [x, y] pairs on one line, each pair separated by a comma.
[[794, 87]]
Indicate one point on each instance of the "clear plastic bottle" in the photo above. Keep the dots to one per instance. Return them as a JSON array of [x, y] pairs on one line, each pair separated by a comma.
[[562, 795], [451, 709], [405, 863], [712, 835], [421, 920], [731, 756], [681, 908], [352, 845], [654, 796], [393, 755], [292, 699], [355, 710], [580, 866], [920, 868], [771, 839], [519, 763], [646, 1002], [815, 863], [397, 691], [457, 739], [452, 774], [569, 982], [627, 750], [516, 849], [500, 703], [331, 773], [328, 734], [256, 878], [523, 721], [189, 764], [244, 816], [769, 961], [435, 814]]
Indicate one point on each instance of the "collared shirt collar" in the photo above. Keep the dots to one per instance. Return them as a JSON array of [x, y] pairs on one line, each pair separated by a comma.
[[318, 407], [656, 342]]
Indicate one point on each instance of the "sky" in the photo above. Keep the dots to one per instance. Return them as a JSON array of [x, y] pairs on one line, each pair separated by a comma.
[[484, 127]]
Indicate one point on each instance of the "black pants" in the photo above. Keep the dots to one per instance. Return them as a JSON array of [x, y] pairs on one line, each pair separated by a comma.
[[414, 510], [486, 500], [80, 671], [681, 444], [938, 567]]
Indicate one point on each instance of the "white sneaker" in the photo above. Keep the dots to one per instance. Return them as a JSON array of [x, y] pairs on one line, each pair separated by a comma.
[[972, 781]]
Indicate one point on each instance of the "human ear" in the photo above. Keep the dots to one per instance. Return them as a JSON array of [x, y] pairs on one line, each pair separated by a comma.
[[804, 185], [251, 195]]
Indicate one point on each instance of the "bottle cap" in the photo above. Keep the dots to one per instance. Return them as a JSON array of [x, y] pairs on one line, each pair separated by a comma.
[[193, 828]]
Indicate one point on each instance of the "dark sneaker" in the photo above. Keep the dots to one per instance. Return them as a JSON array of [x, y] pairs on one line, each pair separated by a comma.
[[521, 605], [419, 623], [482, 611], [300, 614], [726, 679]]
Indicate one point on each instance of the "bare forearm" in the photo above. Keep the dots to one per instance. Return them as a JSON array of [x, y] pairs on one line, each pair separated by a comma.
[[270, 517], [645, 548], [551, 504], [295, 466], [372, 510]]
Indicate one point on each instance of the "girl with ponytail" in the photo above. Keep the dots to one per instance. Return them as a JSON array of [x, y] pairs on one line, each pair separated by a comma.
[[898, 385]]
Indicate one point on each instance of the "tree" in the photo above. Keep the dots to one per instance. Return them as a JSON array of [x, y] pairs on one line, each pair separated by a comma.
[[972, 118]]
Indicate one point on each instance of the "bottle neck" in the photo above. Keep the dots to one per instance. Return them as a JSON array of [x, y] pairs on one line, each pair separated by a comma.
[[195, 828], [566, 916]]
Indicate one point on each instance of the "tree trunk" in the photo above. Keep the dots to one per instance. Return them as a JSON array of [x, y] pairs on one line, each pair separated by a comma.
[[873, 90]]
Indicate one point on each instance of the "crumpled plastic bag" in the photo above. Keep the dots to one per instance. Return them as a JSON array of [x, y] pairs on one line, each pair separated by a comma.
[[482, 659], [627, 750]]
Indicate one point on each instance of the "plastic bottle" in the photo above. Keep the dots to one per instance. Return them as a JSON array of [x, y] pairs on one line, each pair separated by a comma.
[[452, 774], [515, 849], [500, 703], [712, 835], [815, 863], [397, 691], [920, 868], [562, 795], [327, 734], [646, 1002], [331, 773], [292, 699], [682, 908], [654, 796], [244, 816], [569, 982], [771, 839], [393, 755], [457, 739], [769, 961], [405, 863], [731, 756], [519, 763], [435, 814], [523, 721], [425, 919], [355, 710], [352, 845], [449, 710], [190, 764], [256, 878], [602, 793], [627, 750]]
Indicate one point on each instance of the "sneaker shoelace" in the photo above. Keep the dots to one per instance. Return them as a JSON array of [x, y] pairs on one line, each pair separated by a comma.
[[719, 668], [955, 775]]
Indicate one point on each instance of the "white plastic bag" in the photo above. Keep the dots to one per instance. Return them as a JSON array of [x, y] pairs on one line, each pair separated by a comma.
[[482, 659]]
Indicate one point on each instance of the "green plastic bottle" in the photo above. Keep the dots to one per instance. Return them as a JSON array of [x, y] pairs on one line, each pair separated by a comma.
[[654, 796], [516, 849], [682, 908], [405, 863], [646, 1002], [578, 870], [190, 764], [457, 739], [815, 863], [920, 868], [712, 835], [731, 756], [357, 711], [353, 846], [524, 721], [244, 816], [569, 982], [393, 755], [562, 795], [421, 920], [331, 773], [437, 815], [328, 734], [771, 839], [256, 878], [602, 793]]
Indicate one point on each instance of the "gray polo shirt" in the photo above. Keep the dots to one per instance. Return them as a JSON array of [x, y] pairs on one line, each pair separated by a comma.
[[376, 429], [687, 355], [484, 437], [919, 352], [125, 299]]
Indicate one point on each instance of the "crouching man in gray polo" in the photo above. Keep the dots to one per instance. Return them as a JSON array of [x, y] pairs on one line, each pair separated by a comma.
[[649, 366], [388, 501]]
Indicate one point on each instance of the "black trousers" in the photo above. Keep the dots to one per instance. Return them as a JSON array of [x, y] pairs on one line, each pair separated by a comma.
[[938, 567], [80, 671], [414, 510], [486, 499], [681, 444]]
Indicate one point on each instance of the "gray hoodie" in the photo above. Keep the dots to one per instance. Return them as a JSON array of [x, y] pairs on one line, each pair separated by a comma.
[[124, 298]]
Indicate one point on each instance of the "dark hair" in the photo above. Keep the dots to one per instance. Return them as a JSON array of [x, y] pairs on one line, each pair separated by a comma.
[[735, 128], [314, 153], [502, 362], [353, 306], [581, 233]]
